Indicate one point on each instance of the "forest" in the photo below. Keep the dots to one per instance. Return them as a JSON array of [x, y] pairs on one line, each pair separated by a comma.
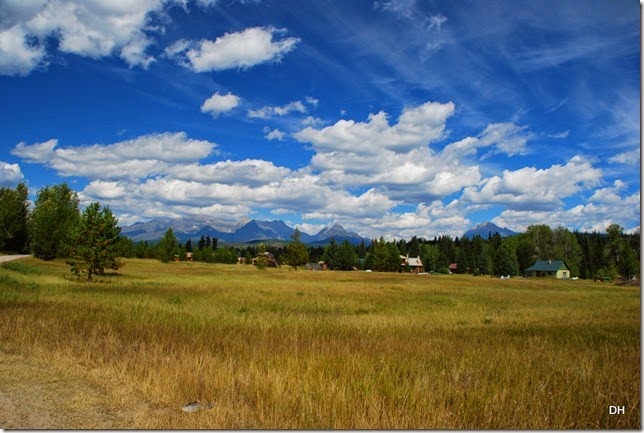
[[55, 228]]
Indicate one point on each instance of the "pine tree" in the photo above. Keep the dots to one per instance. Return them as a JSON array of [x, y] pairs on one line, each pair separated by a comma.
[[380, 256], [167, 247], [297, 254], [261, 261], [94, 242], [330, 253], [346, 257]]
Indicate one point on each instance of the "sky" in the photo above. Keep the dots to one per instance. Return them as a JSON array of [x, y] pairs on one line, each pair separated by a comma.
[[392, 118]]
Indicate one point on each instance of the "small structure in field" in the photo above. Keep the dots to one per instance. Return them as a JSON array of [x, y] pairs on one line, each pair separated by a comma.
[[319, 266], [414, 264], [548, 268]]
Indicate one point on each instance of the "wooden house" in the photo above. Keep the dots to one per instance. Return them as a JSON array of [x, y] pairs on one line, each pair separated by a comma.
[[414, 264], [548, 268]]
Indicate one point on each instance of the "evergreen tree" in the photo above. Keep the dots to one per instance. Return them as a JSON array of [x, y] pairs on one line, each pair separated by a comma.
[[380, 256], [167, 247], [346, 257], [54, 217], [362, 249], [330, 253], [393, 264], [413, 247], [479, 256], [297, 254], [188, 246], [94, 242], [261, 261]]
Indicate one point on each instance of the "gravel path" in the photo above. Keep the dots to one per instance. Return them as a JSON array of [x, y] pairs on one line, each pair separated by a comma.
[[13, 257]]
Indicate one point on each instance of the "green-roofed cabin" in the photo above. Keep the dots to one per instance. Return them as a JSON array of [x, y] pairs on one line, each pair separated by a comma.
[[548, 268]]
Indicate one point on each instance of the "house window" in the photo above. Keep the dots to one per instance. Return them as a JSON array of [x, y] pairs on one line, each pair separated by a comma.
[[564, 274]]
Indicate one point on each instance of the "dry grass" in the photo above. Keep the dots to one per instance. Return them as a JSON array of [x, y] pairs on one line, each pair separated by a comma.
[[284, 349]]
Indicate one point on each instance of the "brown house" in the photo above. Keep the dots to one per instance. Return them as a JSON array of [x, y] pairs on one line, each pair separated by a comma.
[[414, 263]]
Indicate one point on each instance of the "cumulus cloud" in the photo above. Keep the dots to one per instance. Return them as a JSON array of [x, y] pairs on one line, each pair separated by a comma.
[[10, 174], [137, 158], [595, 215], [17, 57], [416, 126], [274, 134], [240, 50], [532, 188], [218, 104], [93, 29], [395, 158], [252, 172]]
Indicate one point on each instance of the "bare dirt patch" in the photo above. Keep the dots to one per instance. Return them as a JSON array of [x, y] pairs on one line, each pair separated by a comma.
[[35, 395]]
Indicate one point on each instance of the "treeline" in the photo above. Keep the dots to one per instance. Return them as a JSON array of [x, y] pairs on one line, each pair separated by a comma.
[[588, 255], [55, 228]]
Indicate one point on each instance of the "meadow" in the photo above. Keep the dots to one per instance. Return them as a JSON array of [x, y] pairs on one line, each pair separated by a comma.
[[277, 348]]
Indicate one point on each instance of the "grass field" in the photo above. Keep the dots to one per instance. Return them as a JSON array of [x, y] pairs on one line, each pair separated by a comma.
[[278, 348]]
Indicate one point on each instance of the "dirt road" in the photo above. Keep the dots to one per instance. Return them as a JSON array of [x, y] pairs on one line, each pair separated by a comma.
[[13, 257]]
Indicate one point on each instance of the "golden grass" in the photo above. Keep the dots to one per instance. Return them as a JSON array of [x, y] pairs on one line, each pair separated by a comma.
[[302, 349]]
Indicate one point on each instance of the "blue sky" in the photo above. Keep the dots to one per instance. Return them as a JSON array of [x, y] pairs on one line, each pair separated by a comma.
[[390, 117]]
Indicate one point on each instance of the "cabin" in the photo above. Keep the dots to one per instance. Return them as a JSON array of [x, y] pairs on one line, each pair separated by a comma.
[[548, 268], [414, 264], [319, 266]]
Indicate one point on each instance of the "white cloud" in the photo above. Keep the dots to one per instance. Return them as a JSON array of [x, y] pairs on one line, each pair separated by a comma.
[[402, 8], [36, 153], [16, 56], [395, 158], [532, 188], [595, 215], [274, 134], [631, 157], [563, 134], [10, 174], [312, 121], [416, 126], [506, 138], [268, 112], [137, 158], [241, 50], [93, 29], [251, 172], [218, 104], [427, 220]]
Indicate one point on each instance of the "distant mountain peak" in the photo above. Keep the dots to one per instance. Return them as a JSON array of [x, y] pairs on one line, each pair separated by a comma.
[[487, 228]]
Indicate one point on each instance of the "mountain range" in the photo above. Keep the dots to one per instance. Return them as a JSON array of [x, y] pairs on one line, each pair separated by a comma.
[[248, 231], [243, 231], [486, 229]]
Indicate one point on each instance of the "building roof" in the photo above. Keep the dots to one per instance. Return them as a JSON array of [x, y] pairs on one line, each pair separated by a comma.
[[547, 266], [411, 261]]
